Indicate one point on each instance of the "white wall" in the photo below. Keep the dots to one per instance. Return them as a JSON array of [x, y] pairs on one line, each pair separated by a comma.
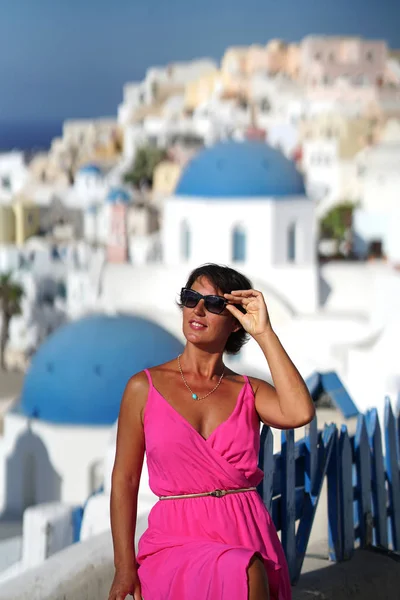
[[9, 258], [265, 222], [326, 170], [43, 462], [370, 226], [88, 188], [392, 245], [13, 174], [300, 213], [349, 287], [381, 184], [379, 214], [47, 529], [210, 241], [80, 292], [82, 571]]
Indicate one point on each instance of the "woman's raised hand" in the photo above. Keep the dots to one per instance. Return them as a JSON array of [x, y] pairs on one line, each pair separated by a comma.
[[125, 583], [256, 318]]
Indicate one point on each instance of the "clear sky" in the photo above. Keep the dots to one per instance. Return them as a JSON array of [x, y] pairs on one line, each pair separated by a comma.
[[70, 58]]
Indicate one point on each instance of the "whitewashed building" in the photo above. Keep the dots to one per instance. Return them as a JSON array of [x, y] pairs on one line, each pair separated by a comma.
[[377, 221], [13, 174]]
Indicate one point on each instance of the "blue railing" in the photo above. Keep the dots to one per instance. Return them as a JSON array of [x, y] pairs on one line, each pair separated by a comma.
[[363, 485]]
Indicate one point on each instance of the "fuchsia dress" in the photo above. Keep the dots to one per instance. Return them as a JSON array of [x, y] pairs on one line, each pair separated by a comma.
[[200, 548]]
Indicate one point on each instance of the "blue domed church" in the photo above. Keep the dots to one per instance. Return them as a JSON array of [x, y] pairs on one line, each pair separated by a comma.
[[56, 434], [244, 204]]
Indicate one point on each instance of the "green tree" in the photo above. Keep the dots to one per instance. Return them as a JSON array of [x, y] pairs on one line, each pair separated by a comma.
[[10, 305], [146, 160], [337, 221]]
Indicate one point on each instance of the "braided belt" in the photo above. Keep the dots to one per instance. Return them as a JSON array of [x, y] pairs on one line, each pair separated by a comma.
[[215, 493]]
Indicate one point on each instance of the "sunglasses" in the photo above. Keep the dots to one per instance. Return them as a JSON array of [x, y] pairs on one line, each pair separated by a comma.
[[212, 303]]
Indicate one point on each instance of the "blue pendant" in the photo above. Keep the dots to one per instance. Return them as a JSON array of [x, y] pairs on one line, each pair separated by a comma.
[[194, 396]]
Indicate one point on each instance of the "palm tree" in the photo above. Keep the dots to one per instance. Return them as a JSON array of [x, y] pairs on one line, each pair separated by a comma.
[[10, 305]]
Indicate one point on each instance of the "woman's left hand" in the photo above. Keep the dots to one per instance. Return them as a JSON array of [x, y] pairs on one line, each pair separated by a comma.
[[256, 319]]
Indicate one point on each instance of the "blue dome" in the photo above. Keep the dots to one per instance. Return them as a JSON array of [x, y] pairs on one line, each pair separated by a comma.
[[118, 195], [240, 170], [79, 373], [91, 170]]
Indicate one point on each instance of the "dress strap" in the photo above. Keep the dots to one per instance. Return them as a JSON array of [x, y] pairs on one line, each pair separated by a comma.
[[249, 393], [149, 378]]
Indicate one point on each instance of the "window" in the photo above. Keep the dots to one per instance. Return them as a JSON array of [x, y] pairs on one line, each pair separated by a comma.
[[239, 244], [265, 105], [375, 249], [6, 182], [185, 241], [370, 56], [360, 79], [291, 243]]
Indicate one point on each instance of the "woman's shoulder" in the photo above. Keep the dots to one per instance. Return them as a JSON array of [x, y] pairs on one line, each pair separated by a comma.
[[140, 384], [137, 387]]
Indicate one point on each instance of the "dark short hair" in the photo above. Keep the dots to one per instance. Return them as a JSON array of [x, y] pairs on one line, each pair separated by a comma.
[[224, 279]]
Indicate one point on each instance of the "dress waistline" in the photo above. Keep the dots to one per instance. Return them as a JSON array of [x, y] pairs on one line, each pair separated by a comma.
[[215, 493]]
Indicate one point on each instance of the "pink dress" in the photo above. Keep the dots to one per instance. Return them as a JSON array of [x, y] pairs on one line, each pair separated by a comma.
[[200, 548]]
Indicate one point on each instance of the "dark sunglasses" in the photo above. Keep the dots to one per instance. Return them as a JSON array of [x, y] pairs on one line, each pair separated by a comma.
[[214, 304]]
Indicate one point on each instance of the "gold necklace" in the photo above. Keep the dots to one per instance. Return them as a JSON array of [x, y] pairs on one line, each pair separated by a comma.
[[195, 396]]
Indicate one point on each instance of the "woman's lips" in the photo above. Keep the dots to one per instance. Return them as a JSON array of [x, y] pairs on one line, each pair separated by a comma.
[[197, 326]]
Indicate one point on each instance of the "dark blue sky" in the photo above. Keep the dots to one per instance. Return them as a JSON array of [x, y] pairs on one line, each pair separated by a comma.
[[70, 58]]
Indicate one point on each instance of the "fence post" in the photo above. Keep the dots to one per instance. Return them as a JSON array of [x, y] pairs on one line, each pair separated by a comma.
[[393, 474], [314, 474], [379, 496], [288, 500], [334, 517], [346, 493], [311, 461], [266, 463], [398, 430], [363, 469]]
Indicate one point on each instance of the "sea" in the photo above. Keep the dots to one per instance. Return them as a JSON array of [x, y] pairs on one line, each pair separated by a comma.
[[28, 136]]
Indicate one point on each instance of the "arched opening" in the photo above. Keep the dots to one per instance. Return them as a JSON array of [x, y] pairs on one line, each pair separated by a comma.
[[291, 242], [239, 244], [185, 241]]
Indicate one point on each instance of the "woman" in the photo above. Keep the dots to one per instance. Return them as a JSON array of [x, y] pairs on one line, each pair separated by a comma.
[[210, 536]]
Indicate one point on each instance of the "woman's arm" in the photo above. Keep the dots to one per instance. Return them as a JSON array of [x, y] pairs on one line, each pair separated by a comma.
[[125, 485], [289, 403]]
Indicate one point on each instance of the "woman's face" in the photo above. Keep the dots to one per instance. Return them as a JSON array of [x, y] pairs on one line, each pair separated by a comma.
[[203, 328]]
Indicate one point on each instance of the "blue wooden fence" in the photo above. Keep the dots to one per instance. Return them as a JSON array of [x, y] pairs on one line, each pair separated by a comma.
[[363, 486]]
